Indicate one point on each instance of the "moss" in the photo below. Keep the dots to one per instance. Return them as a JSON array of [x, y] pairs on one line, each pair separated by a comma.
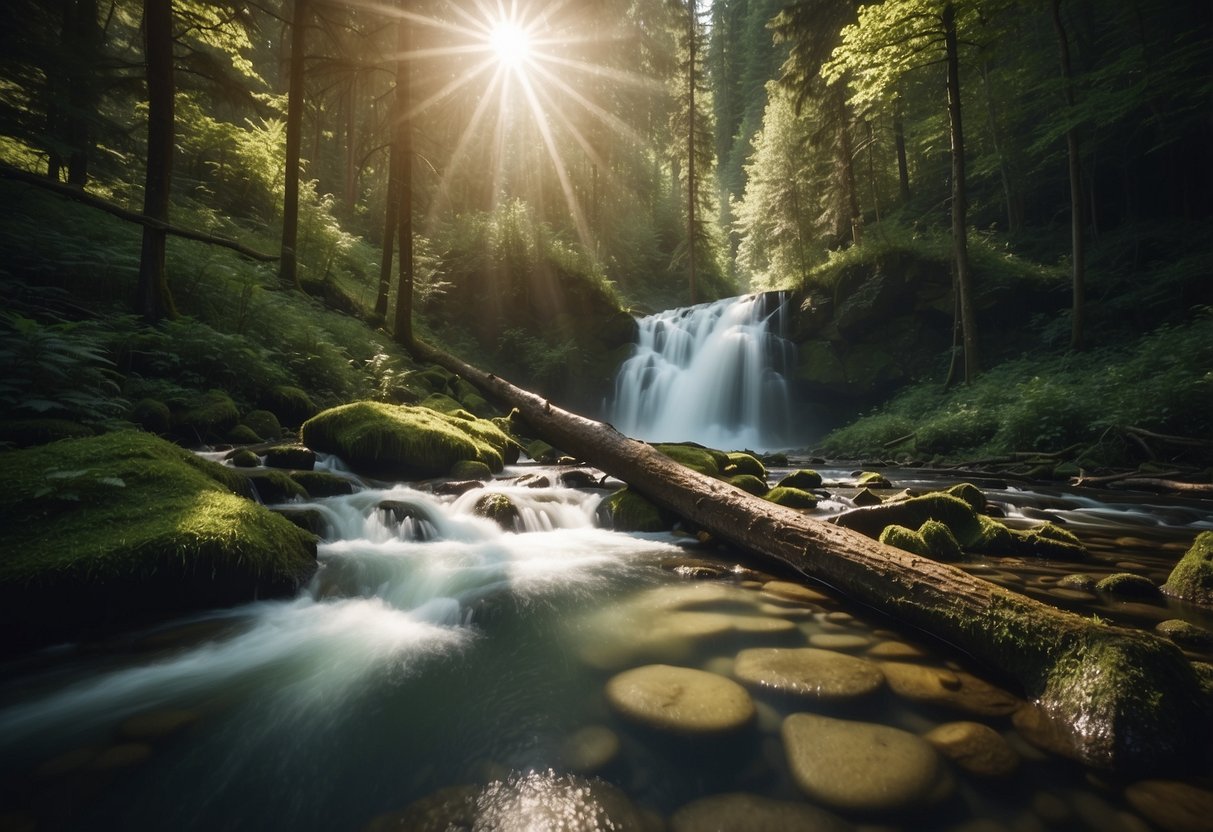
[[940, 542], [499, 508], [124, 528], [295, 457], [24, 433], [627, 511], [750, 484], [470, 469], [542, 452], [971, 494], [244, 458], [274, 486], [152, 415], [696, 457], [291, 405], [1127, 585], [437, 379], [740, 462], [403, 440], [905, 539], [243, 435], [1047, 541], [264, 423], [321, 483], [1192, 578], [209, 415], [806, 479], [791, 497], [873, 479], [445, 404], [1186, 634], [478, 405]]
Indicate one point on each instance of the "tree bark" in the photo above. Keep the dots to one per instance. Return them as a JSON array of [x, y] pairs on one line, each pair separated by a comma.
[[960, 237], [1125, 700], [403, 147], [288, 266], [692, 35], [154, 300], [1074, 163], [899, 141]]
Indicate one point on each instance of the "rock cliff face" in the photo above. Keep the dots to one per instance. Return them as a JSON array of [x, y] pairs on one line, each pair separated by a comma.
[[889, 323]]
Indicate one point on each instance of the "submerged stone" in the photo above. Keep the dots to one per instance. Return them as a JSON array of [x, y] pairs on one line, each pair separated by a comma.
[[808, 672], [680, 700], [590, 749], [975, 747], [788, 591], [742, 812], [862, 767], [1172, 805], [952, 689]]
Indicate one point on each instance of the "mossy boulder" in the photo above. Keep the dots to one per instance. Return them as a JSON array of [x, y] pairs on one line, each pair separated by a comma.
[[152, 415], [403, 440], [471, 469], [206, 416], [125, 528], [244, 458], [749, 484], [264, 423], [933, 540], [1128, 585], [243, 435], [274, 486], [293, 457], [321, 483], [446, 404], [905, 539], [971, 494], [25, 433], [873, 479], [740, 462], [791, 497], [499, 508], [627, 511], [290, 404], [806, 479], [696, 457], [1192, 578]]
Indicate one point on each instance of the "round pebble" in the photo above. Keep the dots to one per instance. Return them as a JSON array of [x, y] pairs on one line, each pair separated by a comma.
[[860, 766], [680, 700], [954, 689], [591, 748], [897, 650], [976, 748], [839, 641], [788, 591], [741, 812], [1172, 805], [808, 671]]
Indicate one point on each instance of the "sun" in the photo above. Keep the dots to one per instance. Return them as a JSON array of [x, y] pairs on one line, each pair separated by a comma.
[[511, 44]]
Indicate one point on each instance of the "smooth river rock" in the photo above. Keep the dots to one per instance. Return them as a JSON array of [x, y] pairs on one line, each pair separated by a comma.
[[590, 749], [953, 689], [808, 671], [976, 748], [1172, 805], [862, 767], [743, 812], [788, 591], [680, 700]]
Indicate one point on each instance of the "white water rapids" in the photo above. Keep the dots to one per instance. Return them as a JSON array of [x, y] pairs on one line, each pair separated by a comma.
[[717, 374]]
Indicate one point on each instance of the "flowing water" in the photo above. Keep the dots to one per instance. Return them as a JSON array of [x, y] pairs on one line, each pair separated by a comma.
[[435, 651], [717, 374]]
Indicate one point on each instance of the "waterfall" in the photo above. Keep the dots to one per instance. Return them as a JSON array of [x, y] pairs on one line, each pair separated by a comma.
[[716, 374]]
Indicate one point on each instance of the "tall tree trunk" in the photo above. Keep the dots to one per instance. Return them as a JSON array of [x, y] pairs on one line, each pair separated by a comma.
[[851, 220], [1077, 245], [960, 238], [1121, 698], [154, 301], [288, 266], [351, 147], [899, 141], [403, 146], [82, 38], [692, 35], [391, 212]]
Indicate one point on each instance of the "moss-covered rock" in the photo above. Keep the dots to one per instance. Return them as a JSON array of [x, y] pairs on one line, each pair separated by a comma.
[[696, 457], [243, 435], [291, 405], [873, 479], [403, 440], [264, 423], [25, 433], [321, 483], [971, 494], [244, 458], [446, 404], [152, 415], [791, 497], [124, 528], [806, 479], [209, 415], [471, 469], [627, 511], [1127, 585], [542, 452], [1186, 634], [905, 539], [749, 484], [274, 486], [293, 457], [740, 462], [1192, 578], [499, 508], [941, 543]]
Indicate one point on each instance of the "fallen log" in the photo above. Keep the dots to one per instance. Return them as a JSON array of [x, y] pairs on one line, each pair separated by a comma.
[[1121, 699]]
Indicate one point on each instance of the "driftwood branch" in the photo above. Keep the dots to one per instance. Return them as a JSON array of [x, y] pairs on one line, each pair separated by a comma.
[[1122, 698], [84, 198]]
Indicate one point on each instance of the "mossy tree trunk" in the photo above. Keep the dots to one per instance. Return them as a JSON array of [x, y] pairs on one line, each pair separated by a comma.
[[1126, 700]]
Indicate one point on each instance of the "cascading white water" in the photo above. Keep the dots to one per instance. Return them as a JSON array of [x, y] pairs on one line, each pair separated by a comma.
[[716, 374]]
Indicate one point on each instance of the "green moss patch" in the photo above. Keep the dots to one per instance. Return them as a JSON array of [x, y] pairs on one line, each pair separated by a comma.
[[471, 469], [696, 457], [209, 415], [749, 484], [322, 483], [295, 457], [1128, 585], [402, 440], [263, 423], [1192, 578], [124, 528], [499, 508], [791, 497], [806, 479], [627, 511], [740, 462], [291, 405]]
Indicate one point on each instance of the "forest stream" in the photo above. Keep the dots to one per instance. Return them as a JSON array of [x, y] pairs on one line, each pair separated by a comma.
[[439, 667]]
